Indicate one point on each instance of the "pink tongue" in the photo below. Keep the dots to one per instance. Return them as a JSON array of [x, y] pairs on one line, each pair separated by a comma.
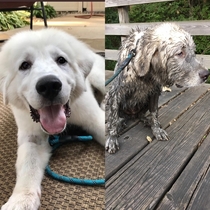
[[53, 118]]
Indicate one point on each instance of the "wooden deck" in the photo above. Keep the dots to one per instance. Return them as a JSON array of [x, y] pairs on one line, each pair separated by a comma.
[[170, 174]]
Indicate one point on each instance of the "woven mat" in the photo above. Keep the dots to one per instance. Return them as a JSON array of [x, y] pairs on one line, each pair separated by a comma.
[[84, 160]]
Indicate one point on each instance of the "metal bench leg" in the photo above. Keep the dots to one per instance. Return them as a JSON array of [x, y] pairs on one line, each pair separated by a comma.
[[43, 12], [31, 17]]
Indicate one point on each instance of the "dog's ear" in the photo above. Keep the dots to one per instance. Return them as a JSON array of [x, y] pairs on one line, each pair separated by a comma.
[[160, 58], [81, 60], [85, 62], [143, 58], [80, 53], [83, 66]]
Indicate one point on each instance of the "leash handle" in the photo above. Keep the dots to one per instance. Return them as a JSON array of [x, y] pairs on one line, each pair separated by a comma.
[[73, 180], [57, 139], [55, 142]]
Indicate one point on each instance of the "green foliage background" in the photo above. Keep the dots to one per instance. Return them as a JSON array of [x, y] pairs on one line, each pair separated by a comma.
[[11, 20], [49, 11], [164, 11], [18, 19]]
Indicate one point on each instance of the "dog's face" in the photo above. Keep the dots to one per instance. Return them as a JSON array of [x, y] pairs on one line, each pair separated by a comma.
[[184, 69], [171, 52], [179, 59], [43, 72]]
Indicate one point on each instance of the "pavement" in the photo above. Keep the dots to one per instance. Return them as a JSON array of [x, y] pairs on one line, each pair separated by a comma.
[[91, 31]]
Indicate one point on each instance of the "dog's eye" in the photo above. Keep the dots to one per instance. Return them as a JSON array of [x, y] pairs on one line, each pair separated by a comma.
[[25, 65], [61, 60], [180, 54]]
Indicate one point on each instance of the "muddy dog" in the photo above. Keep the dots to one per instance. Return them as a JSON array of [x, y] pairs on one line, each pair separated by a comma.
[[164, 56]]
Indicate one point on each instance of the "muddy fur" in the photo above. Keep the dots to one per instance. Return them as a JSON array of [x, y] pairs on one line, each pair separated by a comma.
[[164, 56]]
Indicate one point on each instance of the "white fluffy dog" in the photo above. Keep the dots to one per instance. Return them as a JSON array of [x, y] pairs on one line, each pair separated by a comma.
[[47, 77]]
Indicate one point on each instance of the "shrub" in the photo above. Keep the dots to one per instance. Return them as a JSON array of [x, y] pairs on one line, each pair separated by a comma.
[[11, 20], [49, 11]]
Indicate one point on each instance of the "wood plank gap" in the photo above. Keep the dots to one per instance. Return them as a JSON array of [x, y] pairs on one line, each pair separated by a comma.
[[196, 101], [172, 98], [200, 197], [200, 182], [204, 137]]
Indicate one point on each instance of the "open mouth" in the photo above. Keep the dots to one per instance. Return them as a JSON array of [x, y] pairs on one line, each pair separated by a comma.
[[52, 118]]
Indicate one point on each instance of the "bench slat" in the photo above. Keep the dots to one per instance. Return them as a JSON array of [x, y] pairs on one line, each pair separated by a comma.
[[114, 3], [198, 27]]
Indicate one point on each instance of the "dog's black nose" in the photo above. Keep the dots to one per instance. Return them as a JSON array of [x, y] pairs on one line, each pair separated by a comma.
[[49, 87], [204, 74]]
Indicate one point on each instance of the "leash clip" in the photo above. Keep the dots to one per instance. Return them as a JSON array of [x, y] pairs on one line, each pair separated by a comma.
[[133, 51]]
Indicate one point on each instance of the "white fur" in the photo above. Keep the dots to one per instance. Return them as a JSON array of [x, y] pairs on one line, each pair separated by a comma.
[[138, 36], [18, 88]]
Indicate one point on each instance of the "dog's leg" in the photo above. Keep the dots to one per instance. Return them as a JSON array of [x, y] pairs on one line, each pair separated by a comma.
[[87, 114], [112, 144], [33, 155], [157, 131]]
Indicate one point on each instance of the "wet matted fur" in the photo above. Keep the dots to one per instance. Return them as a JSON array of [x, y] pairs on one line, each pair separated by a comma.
[[165, 55]]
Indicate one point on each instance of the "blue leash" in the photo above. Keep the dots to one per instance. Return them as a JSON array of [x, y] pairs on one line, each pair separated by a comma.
[[55, 142], [131, 54], [121, 67]]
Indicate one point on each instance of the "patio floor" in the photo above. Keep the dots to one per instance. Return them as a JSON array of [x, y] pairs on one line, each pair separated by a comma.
[[91, 30]]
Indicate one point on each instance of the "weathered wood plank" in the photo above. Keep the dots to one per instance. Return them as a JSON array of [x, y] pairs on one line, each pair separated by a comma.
[[191, 188], [197, 27], [201, 199], [113, 55], [205, 60], [118, 3], [123, 14], [150, 174], [108, 74], [134, 139]]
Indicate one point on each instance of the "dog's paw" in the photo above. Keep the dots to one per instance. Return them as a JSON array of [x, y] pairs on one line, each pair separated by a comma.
[[112, 144], [160, 134], [23, 201]]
